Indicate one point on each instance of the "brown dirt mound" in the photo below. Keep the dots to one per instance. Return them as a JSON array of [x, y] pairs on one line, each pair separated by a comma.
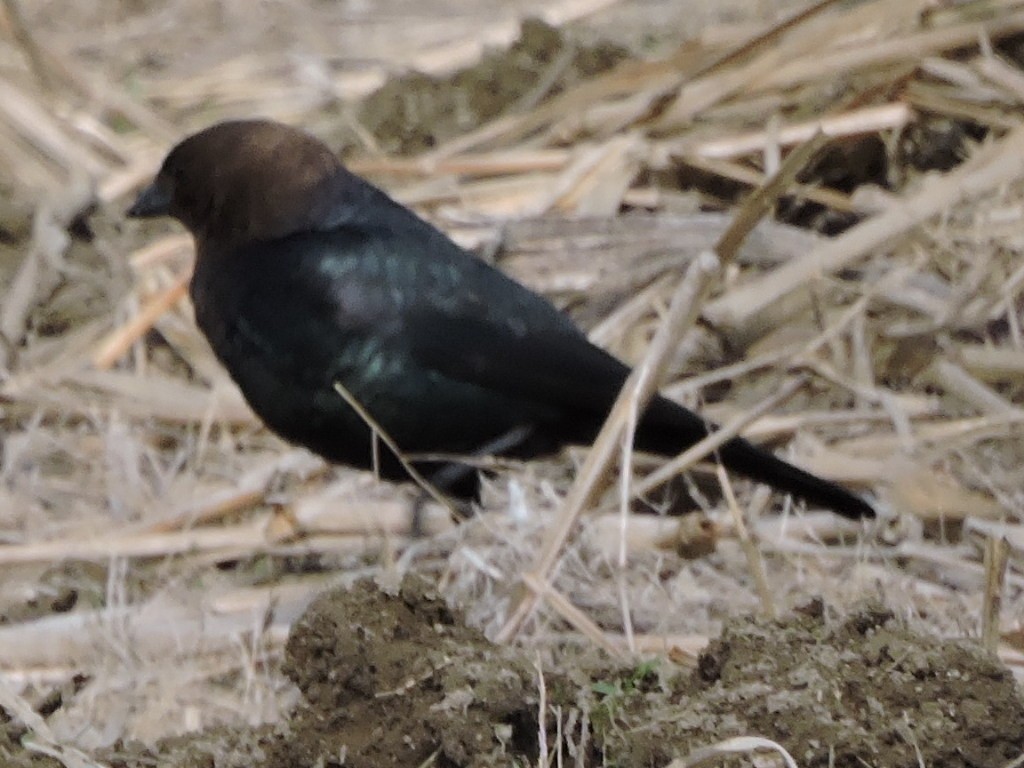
[[399, 680], [866, 691]]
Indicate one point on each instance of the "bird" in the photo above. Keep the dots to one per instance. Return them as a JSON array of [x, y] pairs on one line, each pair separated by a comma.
[[309, 279]]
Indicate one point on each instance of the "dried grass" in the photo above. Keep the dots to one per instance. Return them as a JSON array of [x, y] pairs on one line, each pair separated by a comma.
[[129, 447]]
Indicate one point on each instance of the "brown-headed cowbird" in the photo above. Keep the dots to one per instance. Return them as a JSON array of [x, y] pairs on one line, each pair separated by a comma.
[[306, 276]]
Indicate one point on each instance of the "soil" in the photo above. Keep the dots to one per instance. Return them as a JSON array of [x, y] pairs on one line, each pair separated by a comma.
[[398, 679], [416, 112]]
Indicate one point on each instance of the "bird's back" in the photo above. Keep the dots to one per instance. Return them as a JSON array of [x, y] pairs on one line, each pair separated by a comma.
[[411, 332]]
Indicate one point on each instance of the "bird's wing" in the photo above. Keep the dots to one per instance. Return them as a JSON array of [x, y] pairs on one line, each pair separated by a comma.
[[552, 367], [469, 322], [414, 290]]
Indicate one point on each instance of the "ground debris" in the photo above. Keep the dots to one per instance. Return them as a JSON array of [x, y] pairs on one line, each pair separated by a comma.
[[397, 679]]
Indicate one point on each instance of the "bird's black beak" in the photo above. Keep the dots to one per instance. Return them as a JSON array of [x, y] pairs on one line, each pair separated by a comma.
[[154, 200]]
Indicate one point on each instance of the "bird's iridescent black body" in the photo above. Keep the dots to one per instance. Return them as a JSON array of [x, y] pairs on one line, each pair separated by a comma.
[[307, 276]]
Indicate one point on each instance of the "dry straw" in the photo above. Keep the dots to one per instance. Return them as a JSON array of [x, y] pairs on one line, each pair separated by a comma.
[[900, 339]]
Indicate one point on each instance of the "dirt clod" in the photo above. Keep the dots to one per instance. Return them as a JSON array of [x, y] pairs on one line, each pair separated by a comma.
[[396, 679], [863, 691], [416, 112]]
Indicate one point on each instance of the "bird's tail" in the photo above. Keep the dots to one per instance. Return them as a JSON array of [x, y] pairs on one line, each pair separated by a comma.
[[668, 429]]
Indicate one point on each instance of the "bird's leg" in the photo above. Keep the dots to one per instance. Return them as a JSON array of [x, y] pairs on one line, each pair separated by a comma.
[[452, 475]]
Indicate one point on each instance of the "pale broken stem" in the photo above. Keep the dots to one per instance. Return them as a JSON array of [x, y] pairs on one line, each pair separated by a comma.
[[754, 560], [760, 202], [37, 274], [998, 71], [497, 163], [715, 440], [997, 551], [572, 615], [992, 166], [734, 71], [869, 120], [246, 491], [956, 381], [118, 341], [869, 393], [542, 712], [739, 744], [625, 486], [121, 339], [639, 388], [735, 171], [807, 352], [431, 759], [991, 363], [33, 52], [384, 437], [41, 738]]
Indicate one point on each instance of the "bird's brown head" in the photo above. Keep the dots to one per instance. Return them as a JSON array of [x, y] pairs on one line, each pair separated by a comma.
[[241, 181]]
